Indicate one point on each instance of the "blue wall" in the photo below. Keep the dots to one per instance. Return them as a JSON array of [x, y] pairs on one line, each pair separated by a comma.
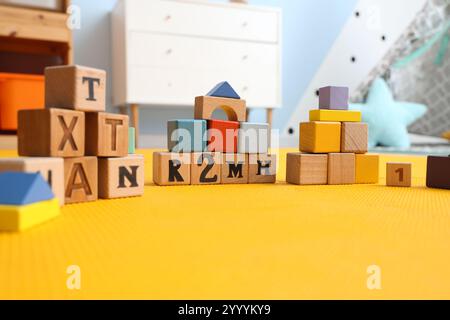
[[309, 30]]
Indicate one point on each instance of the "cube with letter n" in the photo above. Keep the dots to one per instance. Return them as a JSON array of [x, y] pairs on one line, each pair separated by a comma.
[[121, 177]]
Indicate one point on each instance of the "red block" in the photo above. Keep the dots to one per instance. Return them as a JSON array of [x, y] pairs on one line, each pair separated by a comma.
[[223, 136]]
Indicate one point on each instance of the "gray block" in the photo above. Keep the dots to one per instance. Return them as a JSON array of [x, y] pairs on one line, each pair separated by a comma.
[[333, 98]]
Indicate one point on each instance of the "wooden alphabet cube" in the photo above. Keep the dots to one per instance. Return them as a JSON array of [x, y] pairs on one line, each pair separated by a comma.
[[333, 98], [186, 135], [254, 138], [75, 87], [438, 172], [234, 168], [223, 136], [51, 169], [121, 177], [262, 168], [51, 133], [236, 109], [354, 137], [367, 168], [320, 137], [398, 174], [307, 169], [206, 168], [171, 169], [106, 134], [81, 179], [341, 168]]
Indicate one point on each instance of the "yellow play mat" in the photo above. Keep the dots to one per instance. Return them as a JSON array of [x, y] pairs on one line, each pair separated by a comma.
[[240, 242]]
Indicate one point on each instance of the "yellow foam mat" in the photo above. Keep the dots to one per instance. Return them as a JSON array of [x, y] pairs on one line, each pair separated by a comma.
[[241, 242]]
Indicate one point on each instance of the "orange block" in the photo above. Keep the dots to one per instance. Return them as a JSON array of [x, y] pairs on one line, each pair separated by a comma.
[[17, 92], [223, 136]]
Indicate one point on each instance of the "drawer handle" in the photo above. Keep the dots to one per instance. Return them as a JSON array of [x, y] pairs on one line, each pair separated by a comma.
[[169, 52], [245, 57], [245, 88], [168, 17], [245, 24]]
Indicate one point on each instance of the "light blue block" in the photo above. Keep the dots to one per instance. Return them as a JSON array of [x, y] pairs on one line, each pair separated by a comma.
[[17, 189], [186, 135], [131, 140], [223, 90]]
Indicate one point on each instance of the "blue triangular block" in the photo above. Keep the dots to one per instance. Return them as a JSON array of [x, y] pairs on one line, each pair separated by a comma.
[[17, 189], [223, 90]]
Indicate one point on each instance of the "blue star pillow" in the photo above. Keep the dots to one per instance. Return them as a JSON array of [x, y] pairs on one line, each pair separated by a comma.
[[388, 119]]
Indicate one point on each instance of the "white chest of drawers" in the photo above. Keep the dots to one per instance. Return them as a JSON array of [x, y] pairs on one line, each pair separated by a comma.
[[166, 52]]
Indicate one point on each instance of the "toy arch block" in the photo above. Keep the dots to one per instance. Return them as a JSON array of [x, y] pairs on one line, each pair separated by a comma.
[[51, 133], [81, 179], [106, 134], [21, 218], [262, 168], [121, 177], [18, 188], [51, 169], [186, 135], [235, 109], [171, 169], [234, 168], [438, 172], [206, 168], [75, 87], [307, 169], [398, 174], [320, 137]]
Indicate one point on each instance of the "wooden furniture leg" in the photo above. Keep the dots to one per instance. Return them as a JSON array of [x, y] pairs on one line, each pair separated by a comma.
[[135, 120], [270, 117], [248, 114]]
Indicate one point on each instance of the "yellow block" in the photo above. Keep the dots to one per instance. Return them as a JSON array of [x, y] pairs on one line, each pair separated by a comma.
[[335, 115], [367, 168], [20, 218], [320, 137]]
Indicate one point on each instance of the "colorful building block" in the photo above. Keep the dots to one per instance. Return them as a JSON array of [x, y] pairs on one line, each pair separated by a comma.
[[335, 116], [354, 137], [398, 174], [307, 169], [235, 109], [131, 140], [51, 133], [21, 218], [106, 134], [234, 168], [121, 177], [253, 138], [171, 169], [18, 188], [186, 135], [223, 90], [438, 172], [341, 168], [223, 136], [367, 168], [206, 168], [262, 168], [81, 179], [51, 169], [320, 137], [333, 98], [76, 88]]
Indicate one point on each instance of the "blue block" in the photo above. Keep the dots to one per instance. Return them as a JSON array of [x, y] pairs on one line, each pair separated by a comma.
[[186, 135], [17, 189], [223, 90]]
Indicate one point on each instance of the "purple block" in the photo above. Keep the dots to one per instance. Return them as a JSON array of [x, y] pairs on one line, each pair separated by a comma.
[[333, 98]]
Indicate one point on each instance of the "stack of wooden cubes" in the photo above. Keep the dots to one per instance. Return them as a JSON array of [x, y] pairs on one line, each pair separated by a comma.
[[333, 145], [208, 151], [82, 151]]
